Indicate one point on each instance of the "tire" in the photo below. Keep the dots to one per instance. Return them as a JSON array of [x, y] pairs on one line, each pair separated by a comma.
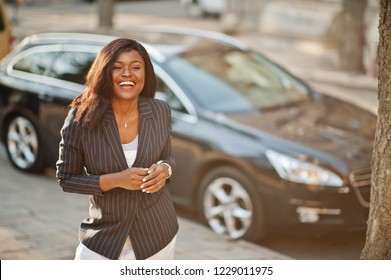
[[23, 145], [229, 204]]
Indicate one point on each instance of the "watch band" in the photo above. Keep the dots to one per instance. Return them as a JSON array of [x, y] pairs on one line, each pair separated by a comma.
[[169, 168]]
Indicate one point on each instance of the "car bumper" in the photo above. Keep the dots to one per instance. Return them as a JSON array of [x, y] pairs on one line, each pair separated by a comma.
[[326, 209]]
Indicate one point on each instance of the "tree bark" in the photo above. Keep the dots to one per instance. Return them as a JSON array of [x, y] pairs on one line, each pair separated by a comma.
[[378, 238], [352, 35], [106, 12]]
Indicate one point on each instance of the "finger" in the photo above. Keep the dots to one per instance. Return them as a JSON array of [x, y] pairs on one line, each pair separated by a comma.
[[149, 181], [134, 178], [157, 181], [151, 178], [155, 171], [139, 171], [153, 188], [152, 168]]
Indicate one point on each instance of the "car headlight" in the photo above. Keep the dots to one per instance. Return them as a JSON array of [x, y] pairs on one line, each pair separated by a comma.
[[295, 170]]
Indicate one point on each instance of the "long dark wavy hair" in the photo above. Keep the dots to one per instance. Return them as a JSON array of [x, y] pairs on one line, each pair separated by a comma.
[[92, 103]]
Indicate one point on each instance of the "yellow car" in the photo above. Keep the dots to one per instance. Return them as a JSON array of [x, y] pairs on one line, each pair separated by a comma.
[[6, 37]]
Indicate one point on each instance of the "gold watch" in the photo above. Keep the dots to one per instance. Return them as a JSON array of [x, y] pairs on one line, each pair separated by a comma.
[[169, 168]]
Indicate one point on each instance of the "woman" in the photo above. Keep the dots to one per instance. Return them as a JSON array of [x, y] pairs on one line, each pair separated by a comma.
[[116, 147]]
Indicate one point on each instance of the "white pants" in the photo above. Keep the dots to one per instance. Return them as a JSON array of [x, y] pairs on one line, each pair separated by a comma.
[[167, 253]]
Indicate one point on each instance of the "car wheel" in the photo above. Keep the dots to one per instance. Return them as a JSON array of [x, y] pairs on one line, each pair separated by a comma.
[[22, 144], [229, 204]]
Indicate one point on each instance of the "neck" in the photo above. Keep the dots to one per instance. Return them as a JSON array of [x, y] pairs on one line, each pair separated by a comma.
[[126, 114], [123, 109]]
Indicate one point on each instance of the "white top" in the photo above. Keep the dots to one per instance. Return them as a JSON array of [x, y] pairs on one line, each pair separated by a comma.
[[130, 151]]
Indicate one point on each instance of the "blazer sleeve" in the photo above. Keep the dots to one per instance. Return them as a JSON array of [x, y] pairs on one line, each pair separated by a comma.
[[167, 154], [70, 171]]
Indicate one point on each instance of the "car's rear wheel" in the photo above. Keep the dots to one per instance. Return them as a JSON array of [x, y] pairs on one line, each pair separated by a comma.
[[229, 204], [22, 144]]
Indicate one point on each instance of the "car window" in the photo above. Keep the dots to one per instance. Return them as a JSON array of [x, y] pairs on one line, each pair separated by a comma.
[[72, 66], [163, 92], [226, 79], [35, 63]]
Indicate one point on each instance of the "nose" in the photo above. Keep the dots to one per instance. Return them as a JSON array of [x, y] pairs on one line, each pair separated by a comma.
[[126, 71]]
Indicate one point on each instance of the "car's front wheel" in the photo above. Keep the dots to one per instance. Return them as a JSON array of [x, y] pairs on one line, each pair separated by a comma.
[[22, 144], [230, 205]]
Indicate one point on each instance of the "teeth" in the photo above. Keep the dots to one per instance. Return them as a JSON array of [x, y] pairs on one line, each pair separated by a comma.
[[126, 84]]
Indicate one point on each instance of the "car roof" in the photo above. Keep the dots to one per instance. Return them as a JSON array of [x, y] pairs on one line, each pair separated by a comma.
[[156, 47]]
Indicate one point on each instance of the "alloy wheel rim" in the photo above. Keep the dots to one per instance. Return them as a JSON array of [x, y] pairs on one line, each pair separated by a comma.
[[22, 141], [227, 207]]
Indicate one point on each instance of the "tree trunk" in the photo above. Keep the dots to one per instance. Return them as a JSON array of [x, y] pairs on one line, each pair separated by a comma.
[[378, 239], [352, 35], [106, 12]]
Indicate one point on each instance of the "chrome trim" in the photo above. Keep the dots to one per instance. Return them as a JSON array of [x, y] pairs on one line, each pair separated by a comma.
[[195, 32], [27, 52], [192, 117], [46, 79], [312, 214], [66, 38], [361, 178]]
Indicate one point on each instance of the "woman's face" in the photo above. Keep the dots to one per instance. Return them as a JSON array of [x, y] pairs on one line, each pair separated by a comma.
[[128, 75]]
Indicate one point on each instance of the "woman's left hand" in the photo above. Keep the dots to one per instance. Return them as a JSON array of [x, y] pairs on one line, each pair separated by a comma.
[[156, 178]]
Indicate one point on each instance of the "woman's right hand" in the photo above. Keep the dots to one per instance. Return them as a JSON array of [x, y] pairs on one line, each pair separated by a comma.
[[133, 178], [129, 179]]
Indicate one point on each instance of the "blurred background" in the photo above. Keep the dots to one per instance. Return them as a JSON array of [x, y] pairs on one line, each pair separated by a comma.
[[336, 24]]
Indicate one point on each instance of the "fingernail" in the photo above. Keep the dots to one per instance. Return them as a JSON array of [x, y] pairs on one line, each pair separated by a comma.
[[144, 179], [143, 190], [149, 171]]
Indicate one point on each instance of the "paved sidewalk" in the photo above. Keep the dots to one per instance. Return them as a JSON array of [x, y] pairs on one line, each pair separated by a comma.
[[38, 221]]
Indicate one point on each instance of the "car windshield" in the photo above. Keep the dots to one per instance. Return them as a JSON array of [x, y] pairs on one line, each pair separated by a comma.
[[225, 79]]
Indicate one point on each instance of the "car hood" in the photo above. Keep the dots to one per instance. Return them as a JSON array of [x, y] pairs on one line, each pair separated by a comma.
[[325, 124]]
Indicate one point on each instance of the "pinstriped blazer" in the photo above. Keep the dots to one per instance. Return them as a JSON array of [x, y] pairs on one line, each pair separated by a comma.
[[149, 220]]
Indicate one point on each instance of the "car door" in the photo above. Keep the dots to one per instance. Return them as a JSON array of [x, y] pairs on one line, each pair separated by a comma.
[[48, 77], [186, 149], [65, 80]]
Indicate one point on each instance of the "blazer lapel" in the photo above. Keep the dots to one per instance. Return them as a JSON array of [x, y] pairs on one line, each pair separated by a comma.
[[111, 133], [144, 133]]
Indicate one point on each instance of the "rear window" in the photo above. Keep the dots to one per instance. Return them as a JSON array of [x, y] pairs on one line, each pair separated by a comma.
[[37, 63], [72, 66]]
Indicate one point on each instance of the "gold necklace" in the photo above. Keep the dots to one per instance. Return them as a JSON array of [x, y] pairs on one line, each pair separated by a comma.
[[126, 122]]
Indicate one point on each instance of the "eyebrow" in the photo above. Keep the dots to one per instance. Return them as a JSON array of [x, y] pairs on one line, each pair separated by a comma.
[[133, 61]]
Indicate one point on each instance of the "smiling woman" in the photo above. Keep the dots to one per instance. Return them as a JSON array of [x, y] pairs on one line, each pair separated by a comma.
[[113, 142]]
